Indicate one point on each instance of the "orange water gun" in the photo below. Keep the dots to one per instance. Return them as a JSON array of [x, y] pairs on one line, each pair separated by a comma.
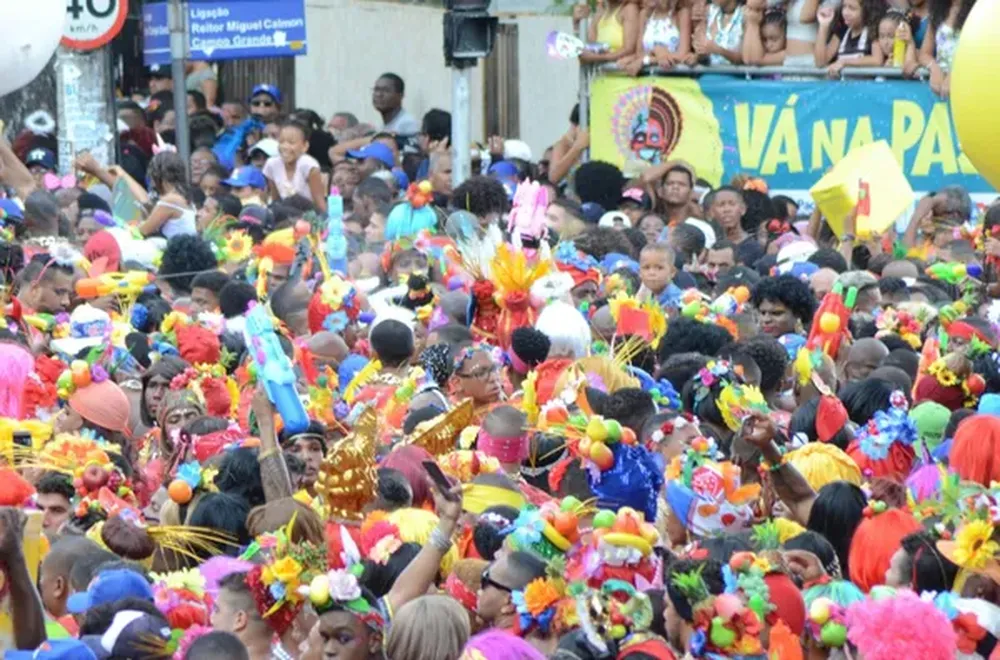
[[129, 284], [829, 326]]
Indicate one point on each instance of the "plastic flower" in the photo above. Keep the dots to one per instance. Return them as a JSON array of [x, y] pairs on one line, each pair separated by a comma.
[[238, 246], [286, 570], [540, 595], [975, 545], [343, 586], [335, 322]]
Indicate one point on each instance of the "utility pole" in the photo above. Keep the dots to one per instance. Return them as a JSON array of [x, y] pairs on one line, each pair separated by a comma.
[[176, 19]]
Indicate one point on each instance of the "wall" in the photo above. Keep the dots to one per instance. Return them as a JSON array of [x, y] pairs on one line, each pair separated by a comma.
[[352, 42]]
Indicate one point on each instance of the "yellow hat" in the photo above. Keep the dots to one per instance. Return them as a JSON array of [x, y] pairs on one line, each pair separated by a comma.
[[821, 463]]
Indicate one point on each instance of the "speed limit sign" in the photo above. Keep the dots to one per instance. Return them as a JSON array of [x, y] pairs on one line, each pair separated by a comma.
[[92, 23]]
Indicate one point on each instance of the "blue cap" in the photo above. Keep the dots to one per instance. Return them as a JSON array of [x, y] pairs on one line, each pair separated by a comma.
[[376, 150], [506, 173], [108, 587], [246, 176], [41, 156], [402, 181], [989, 404], [592, 212], [270, 90], [11, 210], [58, 649]]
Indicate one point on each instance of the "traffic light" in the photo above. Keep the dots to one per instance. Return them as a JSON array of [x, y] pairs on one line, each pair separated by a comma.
[[469, 31]]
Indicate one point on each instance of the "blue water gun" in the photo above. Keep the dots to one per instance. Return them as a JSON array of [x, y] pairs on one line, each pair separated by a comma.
[[274, 369], [335, 246]]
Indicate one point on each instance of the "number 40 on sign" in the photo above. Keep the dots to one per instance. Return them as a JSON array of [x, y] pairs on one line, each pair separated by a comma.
[[91, 24]]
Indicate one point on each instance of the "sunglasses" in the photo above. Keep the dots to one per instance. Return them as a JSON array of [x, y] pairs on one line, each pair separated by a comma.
[[486, 581], [262, 103]]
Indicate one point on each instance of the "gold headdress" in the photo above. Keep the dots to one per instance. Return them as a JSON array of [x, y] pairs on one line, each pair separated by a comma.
[[347, 478], [438, 435]]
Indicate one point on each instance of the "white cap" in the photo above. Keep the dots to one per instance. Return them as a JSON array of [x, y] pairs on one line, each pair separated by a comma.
[[516, 149], [796, 252], [705, 229], [609, 218], [268, 145]]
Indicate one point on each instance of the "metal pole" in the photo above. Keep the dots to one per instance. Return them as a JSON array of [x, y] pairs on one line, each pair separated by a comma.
[[584, 92], [461, 165], [176, 13]]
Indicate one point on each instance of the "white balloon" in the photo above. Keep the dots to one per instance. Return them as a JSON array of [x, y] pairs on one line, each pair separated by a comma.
[[32, 31]]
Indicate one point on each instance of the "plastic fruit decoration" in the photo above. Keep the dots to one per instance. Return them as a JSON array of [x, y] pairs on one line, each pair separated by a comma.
[[626, 528], [830, 321], [600, 435], [562, 522]]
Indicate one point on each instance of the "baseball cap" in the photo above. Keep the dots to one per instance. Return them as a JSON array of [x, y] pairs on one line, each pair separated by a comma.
[[41, 156], [506, 173], [157, 71], [108, 587], [270, 90], [259, 216], [11, 209], [246, 176], [130, 635], [636, 196], [612, 218], [56, 649], [516, 149], [376, 150], [592, 212], [268, 145]]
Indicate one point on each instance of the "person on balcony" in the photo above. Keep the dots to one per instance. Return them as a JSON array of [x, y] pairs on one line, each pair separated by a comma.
[[616, 25], [666, 36], [938, 48], [721, 40], [856, 43]]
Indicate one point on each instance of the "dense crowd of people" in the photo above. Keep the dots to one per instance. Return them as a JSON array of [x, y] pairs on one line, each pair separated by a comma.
[[907, 34], [301, 397]]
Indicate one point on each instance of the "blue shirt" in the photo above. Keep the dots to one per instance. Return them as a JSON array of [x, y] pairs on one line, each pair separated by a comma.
[[670, 298]]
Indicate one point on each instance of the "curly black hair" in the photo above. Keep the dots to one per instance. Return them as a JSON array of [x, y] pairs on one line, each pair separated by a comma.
[[760, 208], [680, 367], [185, 257], [771, 357], [630, 406], [530, 345], [599, 182], [601, 241], [689, 336], [791, 292], [480, 196]]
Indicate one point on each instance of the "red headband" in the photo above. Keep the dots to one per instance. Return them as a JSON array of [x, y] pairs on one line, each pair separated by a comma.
[[460, 592]]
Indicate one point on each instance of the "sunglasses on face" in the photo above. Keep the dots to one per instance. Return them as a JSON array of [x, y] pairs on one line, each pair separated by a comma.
[[486, 581]]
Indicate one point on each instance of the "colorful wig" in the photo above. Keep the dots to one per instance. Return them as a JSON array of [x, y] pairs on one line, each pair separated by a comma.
[[903, 626], [975, 452], [17, 365], [820, 463], [103, 404], [875, 541], [497, 644]]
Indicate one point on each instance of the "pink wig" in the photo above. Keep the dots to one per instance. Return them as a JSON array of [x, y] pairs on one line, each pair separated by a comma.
[[501, 645], [15, 365], [975, 453], [900, 627], [876, 540], [407, 459]]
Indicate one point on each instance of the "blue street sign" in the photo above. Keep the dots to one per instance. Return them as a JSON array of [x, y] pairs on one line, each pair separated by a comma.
[[233, 30]]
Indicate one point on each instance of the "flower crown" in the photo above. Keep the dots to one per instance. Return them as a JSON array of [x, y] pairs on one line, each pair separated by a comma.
[[667, 428], [537, 605], [339, 588], [886, 427]]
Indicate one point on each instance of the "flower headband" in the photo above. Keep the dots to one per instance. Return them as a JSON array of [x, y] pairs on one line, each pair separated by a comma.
[[886, 427], [537, 606], [339, 588], [479, 347]]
